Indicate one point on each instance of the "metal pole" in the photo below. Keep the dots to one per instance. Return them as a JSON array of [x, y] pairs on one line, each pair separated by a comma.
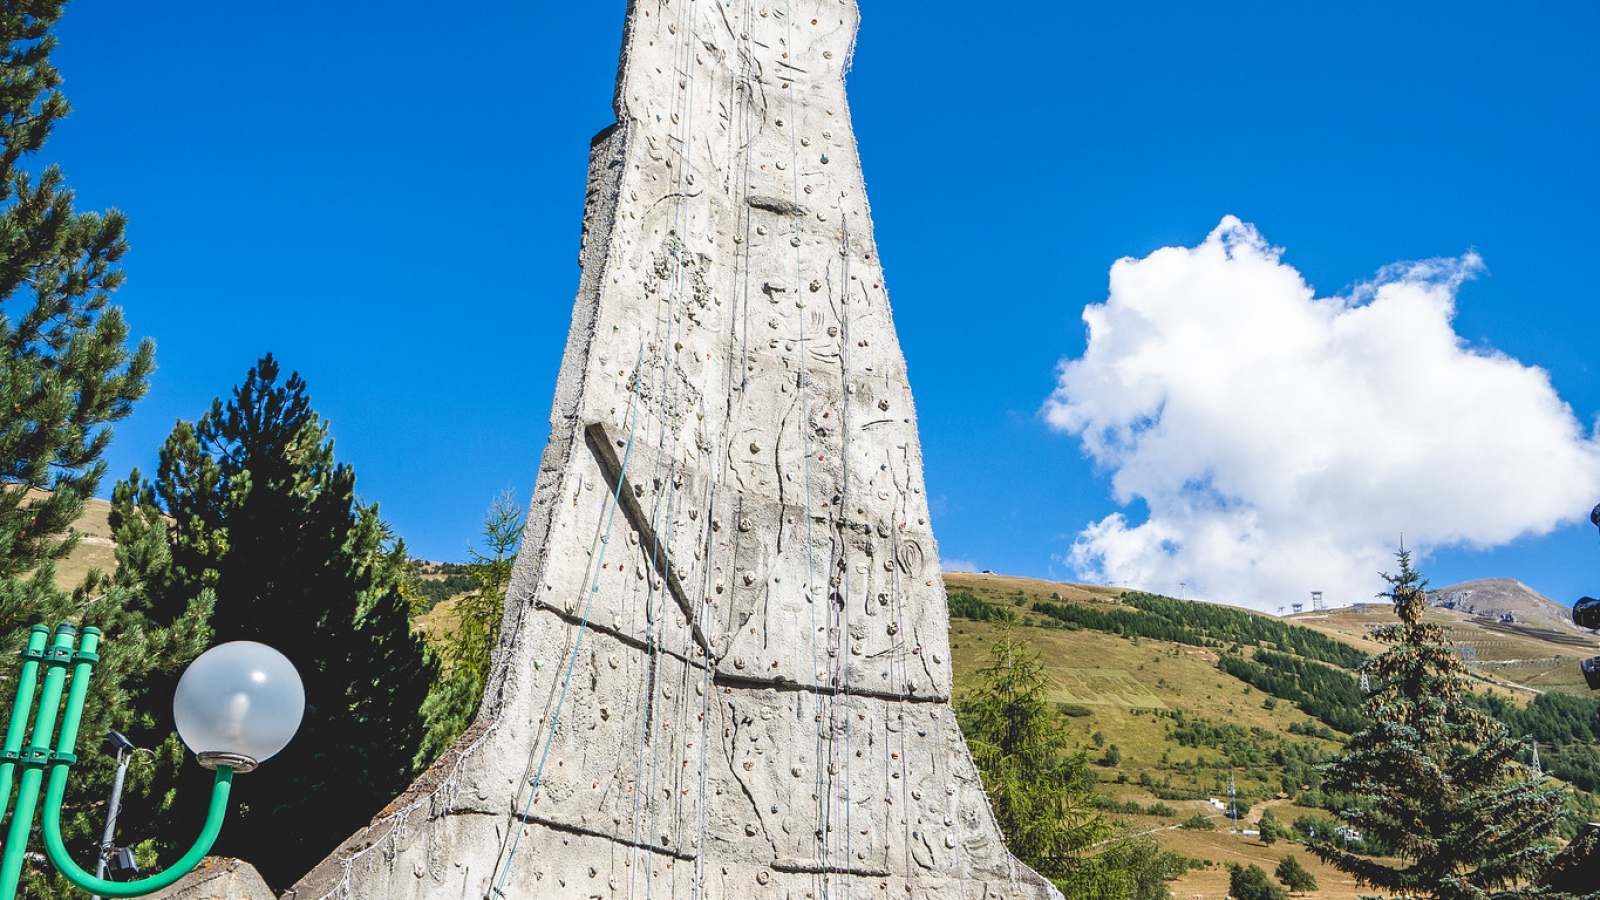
[[108, 840]]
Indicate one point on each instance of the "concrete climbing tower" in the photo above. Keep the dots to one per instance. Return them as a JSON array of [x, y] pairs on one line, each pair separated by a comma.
[[724, 670]]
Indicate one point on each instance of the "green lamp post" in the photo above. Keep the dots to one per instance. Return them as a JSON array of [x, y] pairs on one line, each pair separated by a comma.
[[236, 705]]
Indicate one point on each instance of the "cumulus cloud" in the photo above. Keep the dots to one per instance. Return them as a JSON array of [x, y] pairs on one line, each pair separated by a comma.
[[1281, 441]]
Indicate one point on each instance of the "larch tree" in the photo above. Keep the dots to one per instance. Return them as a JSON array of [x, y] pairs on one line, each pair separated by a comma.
[[1445, 784], [266, 521], [1039, 790], [465, 653]]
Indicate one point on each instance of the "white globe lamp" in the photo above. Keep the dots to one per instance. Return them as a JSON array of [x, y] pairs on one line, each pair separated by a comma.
[[238, 704]]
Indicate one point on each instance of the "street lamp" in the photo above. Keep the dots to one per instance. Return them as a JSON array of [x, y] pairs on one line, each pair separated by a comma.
[[236, 705], [1586, 614]]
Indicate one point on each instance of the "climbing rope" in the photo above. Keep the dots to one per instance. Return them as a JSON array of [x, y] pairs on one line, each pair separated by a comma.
[[597, 566]]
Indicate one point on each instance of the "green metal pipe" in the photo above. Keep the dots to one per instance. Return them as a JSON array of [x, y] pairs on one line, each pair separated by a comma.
[[56, 660], [56, 849], [83, 662], [21, 705], [44, 724]]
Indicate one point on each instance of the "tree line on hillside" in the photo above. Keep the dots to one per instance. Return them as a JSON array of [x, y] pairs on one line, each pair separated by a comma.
[[1196, 624], [1323, 692], [250, 530]]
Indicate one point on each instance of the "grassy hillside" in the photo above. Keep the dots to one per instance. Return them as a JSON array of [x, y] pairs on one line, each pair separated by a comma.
[[1184, 720]]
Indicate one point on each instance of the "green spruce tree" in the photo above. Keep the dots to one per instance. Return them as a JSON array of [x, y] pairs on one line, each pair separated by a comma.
[[1039, 790], [465, 653], [1448, 792], [267, 522]]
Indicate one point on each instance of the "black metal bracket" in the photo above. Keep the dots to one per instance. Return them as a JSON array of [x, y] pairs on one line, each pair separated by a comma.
[[59, 655]]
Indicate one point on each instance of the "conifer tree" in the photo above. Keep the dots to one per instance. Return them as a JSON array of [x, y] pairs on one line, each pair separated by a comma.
[[1039, 790], [1446, 785], [64, 370], [264, 519], [66, 374], [465, 654]]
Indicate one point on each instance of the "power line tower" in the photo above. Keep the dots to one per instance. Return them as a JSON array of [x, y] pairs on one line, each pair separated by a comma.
[[1366, 685], [1233, 804], [1316, 601], [1538, 767]]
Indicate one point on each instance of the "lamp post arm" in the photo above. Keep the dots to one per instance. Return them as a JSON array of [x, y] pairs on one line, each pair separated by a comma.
[[56, 849]]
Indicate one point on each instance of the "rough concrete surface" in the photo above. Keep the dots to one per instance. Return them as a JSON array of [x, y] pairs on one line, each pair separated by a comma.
[[218, 878], [724, 670]]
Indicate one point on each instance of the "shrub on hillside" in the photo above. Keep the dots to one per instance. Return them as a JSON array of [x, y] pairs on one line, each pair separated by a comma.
[[1251, 883]]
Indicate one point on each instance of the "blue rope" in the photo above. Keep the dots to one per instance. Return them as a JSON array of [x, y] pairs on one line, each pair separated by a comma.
[[583, 626]]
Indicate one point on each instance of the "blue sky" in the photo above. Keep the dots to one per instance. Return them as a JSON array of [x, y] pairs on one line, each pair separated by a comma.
[[387, 196]]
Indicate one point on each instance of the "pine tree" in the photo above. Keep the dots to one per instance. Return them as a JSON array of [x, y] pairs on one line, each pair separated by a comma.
[[1447, 790], [66, 374], [64, 370], [1039, 791], [1294, 875], [264, 519], [465, 653]]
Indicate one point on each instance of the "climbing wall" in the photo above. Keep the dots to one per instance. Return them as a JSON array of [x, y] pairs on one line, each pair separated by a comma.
[[724, 669]]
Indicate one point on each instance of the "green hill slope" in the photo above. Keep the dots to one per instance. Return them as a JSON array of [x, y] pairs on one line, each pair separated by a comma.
[[1195, 695]]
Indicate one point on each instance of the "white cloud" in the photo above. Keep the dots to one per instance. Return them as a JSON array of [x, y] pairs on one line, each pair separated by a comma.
[[958, 565], [1282, 441]]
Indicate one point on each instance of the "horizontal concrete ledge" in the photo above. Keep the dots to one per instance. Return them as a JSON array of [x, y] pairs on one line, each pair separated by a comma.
[[747, 683], [625, 639], [580, 831], [813, 867], [740, 682]]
